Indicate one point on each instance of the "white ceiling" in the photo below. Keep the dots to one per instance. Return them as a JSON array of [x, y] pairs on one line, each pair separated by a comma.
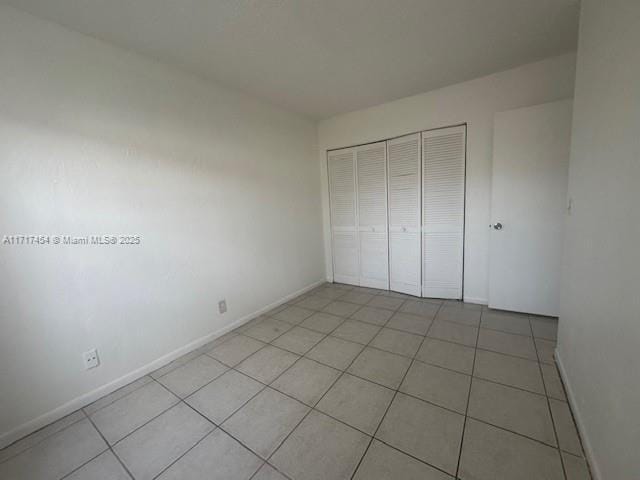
[[324, 57]]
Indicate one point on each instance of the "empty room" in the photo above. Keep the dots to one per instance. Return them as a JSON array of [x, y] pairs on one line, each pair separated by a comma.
[[319, 240]]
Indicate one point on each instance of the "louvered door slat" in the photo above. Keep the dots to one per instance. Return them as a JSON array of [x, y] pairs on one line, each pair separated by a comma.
[[344, 228], [404, 214], [443, 174], [371, 164]]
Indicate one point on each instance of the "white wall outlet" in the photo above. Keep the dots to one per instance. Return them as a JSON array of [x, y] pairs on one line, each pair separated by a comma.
[[222, 306], [91, 359]]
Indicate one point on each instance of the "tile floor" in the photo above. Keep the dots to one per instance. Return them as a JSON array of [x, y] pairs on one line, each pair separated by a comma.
[[343, 382]]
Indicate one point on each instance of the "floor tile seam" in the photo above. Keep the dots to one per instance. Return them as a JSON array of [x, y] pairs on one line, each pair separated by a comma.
[[342, 372], [493, 329], [44, 438], [395, 394], [466, 413], [177, 402], [486, 349], [110, 448], [553, 422]]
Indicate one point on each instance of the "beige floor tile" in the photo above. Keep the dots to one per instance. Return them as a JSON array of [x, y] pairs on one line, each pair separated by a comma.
[[235, 350], [188, 378], [385, 463], [306, 381], [424, 431], [396, 341], [420, 307], [57, 455], [320, 448], [490, 453], [505, 322], [226, 394], [552, 382], [383, 301], [545, 327], [463, 316], [40, 435], [123, 416], [507, 343], [267, 364], [267, 472], [437, 385], [565, 427], [322, 322], [357, 297], [546, 350], [354, 331], [155, 446], [265, 421], [313, 302], [513, 409], [104, 467], [512, 371], [446, 354], [356, 402], [376, 316], [293, 314], [453, 332], [408, 322], [216, 456], [335, 352], [341, 309], [298, 340], [329, 292], [381, 367], [576, 467], [268, 330]]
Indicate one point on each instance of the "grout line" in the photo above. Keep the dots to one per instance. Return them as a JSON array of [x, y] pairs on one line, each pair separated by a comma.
[[466, 412], [553, 422], [395, 394]]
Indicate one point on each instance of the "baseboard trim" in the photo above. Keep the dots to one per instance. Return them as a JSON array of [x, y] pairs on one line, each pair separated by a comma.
[[479, 301], [81, 401], [588, 449]]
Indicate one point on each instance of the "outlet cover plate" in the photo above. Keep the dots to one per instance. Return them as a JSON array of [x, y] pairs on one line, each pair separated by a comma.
[[91, 359], [222, 306]]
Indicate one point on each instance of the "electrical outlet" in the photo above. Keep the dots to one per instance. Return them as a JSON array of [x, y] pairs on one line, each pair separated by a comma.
[[222, 306], [91, 359]]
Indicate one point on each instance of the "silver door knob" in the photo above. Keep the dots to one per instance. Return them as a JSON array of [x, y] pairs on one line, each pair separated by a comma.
[[497, 226]]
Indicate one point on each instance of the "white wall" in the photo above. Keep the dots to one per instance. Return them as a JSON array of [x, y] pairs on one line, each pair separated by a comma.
[[473, 102], [223, 190], [599, 338]]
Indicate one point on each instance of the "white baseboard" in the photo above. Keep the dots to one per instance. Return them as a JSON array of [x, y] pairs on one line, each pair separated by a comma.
[[588, 449], [71, 406], [479, 301]]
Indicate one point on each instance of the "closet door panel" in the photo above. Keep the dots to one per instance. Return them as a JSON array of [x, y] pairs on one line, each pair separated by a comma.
[[372, 215], [404, 214], [344, 220], [443, 174]]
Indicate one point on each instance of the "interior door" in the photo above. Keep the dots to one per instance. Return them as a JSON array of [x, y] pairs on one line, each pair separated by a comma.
[[443, 189], [371, 170], [530, 175], [344, 224], [403, 157]]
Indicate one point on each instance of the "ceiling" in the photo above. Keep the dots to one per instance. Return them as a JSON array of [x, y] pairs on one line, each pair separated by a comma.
[[325, 57]]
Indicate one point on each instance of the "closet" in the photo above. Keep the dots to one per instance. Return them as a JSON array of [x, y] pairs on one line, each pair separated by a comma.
[[397, 213]]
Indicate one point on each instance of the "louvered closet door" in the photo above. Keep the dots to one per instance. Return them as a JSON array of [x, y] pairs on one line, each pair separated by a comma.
[[372, 215], [344, 225], [403, 156], [443, 171]]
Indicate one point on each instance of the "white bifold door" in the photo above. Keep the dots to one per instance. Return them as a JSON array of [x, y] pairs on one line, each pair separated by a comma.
[[403, 157], [443, 185], [371, 167], [344, 220]]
